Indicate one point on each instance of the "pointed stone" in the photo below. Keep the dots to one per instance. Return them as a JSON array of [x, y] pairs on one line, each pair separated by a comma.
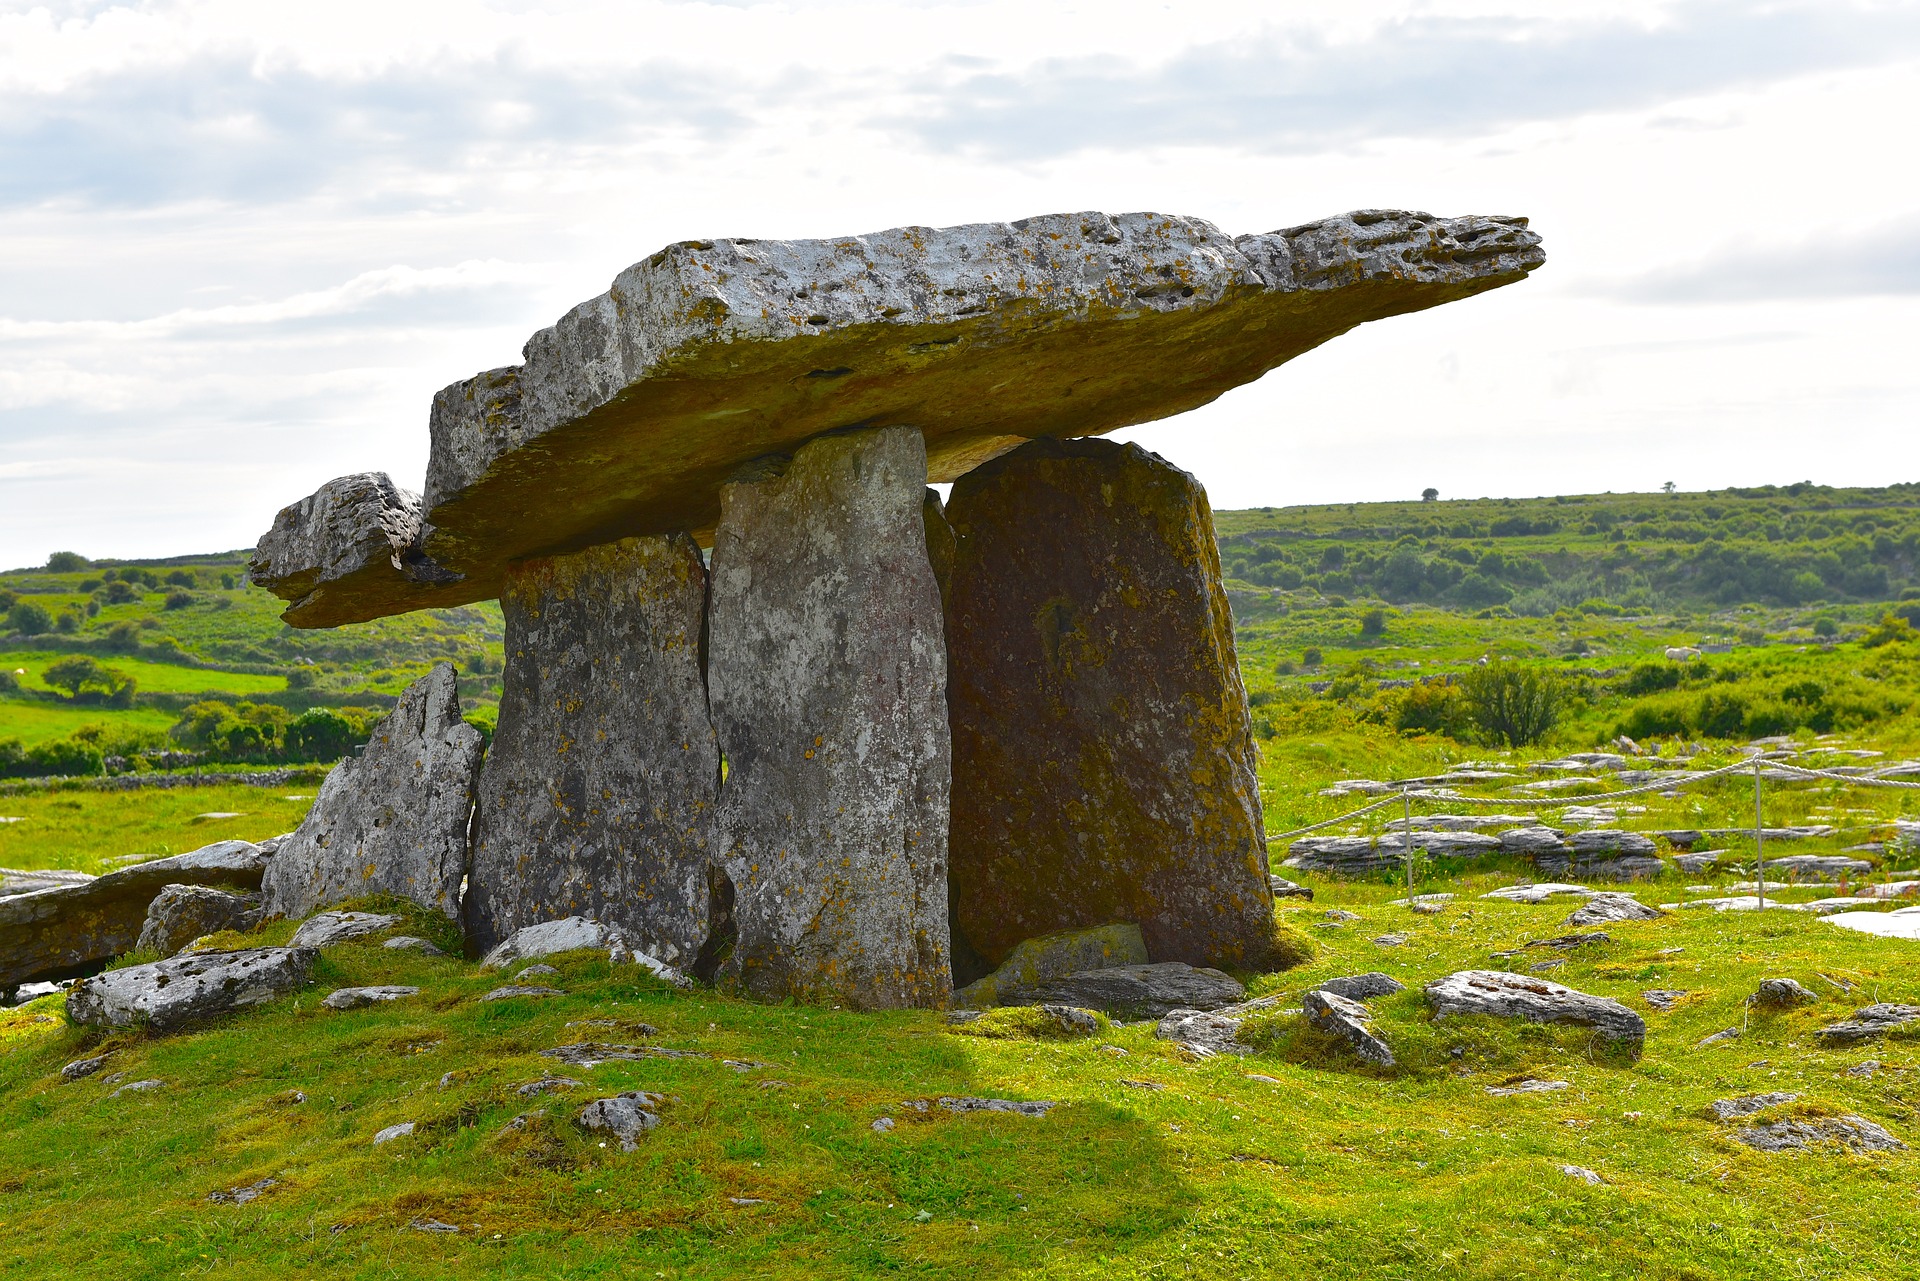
[[828, 683], [597, 795], [393, 819], [1104, 763]]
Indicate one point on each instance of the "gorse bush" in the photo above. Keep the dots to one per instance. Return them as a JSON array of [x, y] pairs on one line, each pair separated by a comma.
[[1511, 704]]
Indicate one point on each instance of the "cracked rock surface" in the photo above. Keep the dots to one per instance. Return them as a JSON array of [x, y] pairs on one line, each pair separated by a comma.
[[1517, 996], [172, 994]]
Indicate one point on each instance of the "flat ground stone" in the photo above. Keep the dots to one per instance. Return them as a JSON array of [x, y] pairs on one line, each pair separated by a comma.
[[392, 819], [410, 943], [1054, 956], [1852, 1132], [1209, 1032], [624, 1117], [1134, 991], [1661, 998], [1104, 762], [353, 998], [169, 995], [1748, 1104], [827, 678], [1870, 1022], [393, 1132], [513, 990], [1532, 1085], [1362, 987], [1540, 893], [179, 914], [632, 411], [1511, 996], [1348, 1020], [1781, 994], [1604, 908], [597, 795], [80, 1068], [1901, 924], [71, 930], [328, 929]]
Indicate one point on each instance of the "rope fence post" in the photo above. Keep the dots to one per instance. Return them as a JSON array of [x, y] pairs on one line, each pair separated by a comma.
[[1759, 836]]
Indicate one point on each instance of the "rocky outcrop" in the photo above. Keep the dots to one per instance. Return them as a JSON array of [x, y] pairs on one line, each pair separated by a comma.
[[1134, 991], [1055, 956], [330, 929], [1854, 1133], [1104, 764], [168, 995], [1870, 1023], [578, 934], [1362, 987], [392, 819], [1518, 996], [1781, 994], [179, 914], [73, 930], [1602, 909], [827, 679], [628, 415], [623, 1117], [597, 796], [354, 539]]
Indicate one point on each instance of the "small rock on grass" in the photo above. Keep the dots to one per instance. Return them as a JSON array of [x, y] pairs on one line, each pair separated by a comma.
[[536, 972], [1604, 908], [1871, 1021], [1283, 888], [411, 943], [330, 928], [1504, 995], [624, 1117], [1362, 987], [393, 1132], [83, 1067], [1392, 940], [1348, 1020], [431, 1225], [882, 1125], [137, 1087], [1532, 1085], [547, 1085], [969, 1103], [1748, 1104], [1731, 1034], [242, 1194], [1581, 1173], [353, 998], [1854, 1132], [1864, 1070], [512, 990], [1663, 998], [1781, 994], [1337, 914]]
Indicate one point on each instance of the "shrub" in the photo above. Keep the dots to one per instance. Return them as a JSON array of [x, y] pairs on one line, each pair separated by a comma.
[[1512, 704], [66, 563], [123, 636], [80, 674], [1722, 713], [65, 756], [1373, 623], [321, 734], [1892, 629], [7, 597], [1431, 708], [28, 618], [67, 624], [1650, 678], [121, 593], [1826, 627], [179, 600], [183, 578], [1311, 656]]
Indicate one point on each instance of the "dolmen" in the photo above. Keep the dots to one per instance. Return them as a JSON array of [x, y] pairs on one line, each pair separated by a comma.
[[772, 709]]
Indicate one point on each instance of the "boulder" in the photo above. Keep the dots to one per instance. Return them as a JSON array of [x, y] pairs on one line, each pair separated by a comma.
[[1855, 1133], [1603, 908], [1104, 762], [1694, 864], [1362, 987], [827, 678], [1871, 1022], [1349, 1020], [1054, 956], [73, 930], [624, 1117], [1342, 855], [630, 413], [597, 795], [351, 536], [179, 914], [1209, 1032], [1588, 844], [1532, 842], [354, 998], [1134, 991], [1781, 994], [392, 819], [330, 929], [168, 995], [1516, 996]]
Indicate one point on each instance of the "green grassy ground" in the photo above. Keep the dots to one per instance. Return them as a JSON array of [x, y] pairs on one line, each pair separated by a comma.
[[91, 831], [1328, 1169], [154, 678]]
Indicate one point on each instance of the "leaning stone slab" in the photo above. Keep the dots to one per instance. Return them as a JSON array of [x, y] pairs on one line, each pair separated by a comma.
[[1104, 765], [1349, 1020], [629, 415], [393, 819], [60, 933], [354, 535], [169, 995], [179, 914], [1055, 956], [598, 791], [828, 680], [1134, 991], [1516, 996]]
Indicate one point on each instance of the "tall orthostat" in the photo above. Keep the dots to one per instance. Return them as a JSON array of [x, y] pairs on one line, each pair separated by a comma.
[[1103, 761], [597, 795], [828, 682], [393, 819]]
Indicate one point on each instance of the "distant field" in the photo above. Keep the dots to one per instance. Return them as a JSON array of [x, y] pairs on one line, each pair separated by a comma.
[[154, 678], [88, 831], [34, 722]]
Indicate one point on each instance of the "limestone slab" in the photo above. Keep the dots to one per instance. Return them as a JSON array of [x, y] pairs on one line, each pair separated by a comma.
[[596, 799], [1104, 761], [354, 535], [628, 415], [169, 995], [392, 819], [827, 679]]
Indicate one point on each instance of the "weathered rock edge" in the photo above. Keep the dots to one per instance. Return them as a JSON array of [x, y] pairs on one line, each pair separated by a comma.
[[628, 414], [169, 995]]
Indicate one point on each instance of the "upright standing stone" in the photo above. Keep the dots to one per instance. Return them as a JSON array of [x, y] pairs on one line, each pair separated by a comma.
[[1103, 758], [392, 819], [598, 792], [828, 681]]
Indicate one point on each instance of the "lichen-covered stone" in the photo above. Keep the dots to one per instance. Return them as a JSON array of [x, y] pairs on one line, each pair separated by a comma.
[[828, 683], [1104, 763], [394, 818], [1056, 956], [597, 794], [75, 929], [179, 914], [169, 995], [629, 414], [354, 537]]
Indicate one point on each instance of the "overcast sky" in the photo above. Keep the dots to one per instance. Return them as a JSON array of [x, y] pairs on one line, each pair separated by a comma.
[[242, 244]]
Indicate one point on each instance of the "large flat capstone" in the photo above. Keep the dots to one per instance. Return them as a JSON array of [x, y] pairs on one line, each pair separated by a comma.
[[1104, 762], [597, 794], [629, 415], [827, 679], [75, 929], [394, 818]]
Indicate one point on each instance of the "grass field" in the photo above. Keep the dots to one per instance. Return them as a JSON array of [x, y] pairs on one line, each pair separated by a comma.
[[91, 831], [154, 678]]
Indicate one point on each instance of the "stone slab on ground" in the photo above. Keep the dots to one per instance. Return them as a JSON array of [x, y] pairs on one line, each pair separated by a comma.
[[1134, 991], [1362, 987], [1540, 892], [354, 998], [1104, 762], [1208, 1032], [628, 416], [827, 676], [598, 791], [1901, 924], [1854, 1133], [179, 914], [623, 1118], [1604, 908], [329, 929], [392, 819], [169, 995], [1870, 1023], [71, 930], [1748, 1104], [1503, 995], [1055, 956]]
